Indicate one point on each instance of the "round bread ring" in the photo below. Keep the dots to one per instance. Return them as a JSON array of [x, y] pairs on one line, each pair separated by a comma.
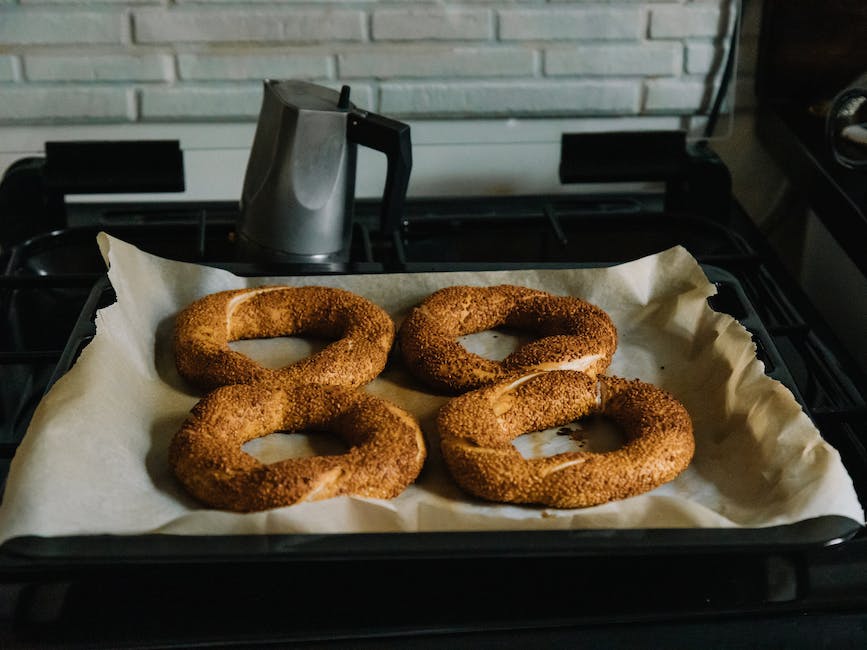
[[386, 446], [574, 335], [477, 430], [363, 334]]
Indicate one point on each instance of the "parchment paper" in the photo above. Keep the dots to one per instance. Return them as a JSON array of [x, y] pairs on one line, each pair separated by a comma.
[[94, 458]]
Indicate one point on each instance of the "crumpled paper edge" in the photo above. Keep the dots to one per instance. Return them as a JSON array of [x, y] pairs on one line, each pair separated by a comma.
[[440, 513]]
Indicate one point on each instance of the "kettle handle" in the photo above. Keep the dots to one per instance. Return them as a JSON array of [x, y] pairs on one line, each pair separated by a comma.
[[393, 139]]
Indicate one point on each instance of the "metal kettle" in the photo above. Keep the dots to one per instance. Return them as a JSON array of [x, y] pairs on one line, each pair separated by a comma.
[[299, 187]]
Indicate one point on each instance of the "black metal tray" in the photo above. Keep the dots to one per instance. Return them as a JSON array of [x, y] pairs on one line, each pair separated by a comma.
[[33, 553]]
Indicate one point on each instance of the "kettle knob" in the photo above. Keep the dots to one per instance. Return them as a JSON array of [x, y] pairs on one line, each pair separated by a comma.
[[343, 100]]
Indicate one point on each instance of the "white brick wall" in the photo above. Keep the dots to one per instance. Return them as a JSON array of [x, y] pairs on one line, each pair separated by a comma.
[[247, 24], [293, 64], [41, 26], [97, 67], [508, 98], [7, 68], [77, 103], [620, 59], [675, 95], [559, 22], [453, 23], [701, 57], [685, 21], [120, 61], [430, 62]]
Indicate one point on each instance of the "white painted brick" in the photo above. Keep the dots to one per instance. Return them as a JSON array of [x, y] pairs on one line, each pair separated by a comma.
[[88, 2], [620, 2], [284, 65], [251, 24], [438, 62], [461, 57], [207, 102], [584, 23], [219, 101], [676, 95], [504, 98], [273, 2], [104, 67], [621, 59], [686, 21], [446, 23], [701, 57], [52, 27], [40, 103], [7, 68]]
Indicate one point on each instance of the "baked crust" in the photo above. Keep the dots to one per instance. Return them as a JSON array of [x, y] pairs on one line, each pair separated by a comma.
[[477, 428], [361, 332], [386, 446], [572, 334]]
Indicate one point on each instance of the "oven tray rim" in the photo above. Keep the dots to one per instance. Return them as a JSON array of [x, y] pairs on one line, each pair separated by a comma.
[[31, 551]]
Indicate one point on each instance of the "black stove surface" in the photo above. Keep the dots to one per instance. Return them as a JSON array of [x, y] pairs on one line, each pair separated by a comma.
[[507, 595]]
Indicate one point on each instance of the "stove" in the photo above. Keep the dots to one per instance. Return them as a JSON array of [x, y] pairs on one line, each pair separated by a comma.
[[787, 586]]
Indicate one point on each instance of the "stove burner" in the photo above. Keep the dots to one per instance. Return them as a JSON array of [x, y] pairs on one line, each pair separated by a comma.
[[53, 282]]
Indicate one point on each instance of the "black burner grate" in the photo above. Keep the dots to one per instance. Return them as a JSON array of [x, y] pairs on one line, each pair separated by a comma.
[[52, 284], [47, 279]]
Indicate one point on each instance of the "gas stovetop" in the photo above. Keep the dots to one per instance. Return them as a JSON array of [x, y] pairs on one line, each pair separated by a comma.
[[53, 281]]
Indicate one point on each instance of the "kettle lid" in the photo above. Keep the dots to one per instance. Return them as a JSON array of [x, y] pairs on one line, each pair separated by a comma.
[[305, 96]]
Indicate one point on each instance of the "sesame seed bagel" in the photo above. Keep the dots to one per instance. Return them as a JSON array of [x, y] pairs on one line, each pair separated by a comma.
[[571, 334], [386, 446], [361, 335], [477, 430]]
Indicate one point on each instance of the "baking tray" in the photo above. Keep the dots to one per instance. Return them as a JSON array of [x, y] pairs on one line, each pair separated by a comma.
[[32, 553]]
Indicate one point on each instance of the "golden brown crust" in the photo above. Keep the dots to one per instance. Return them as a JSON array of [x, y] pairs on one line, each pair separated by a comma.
[[362, 335], [386, 446], [572, 333], [477, 430]]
